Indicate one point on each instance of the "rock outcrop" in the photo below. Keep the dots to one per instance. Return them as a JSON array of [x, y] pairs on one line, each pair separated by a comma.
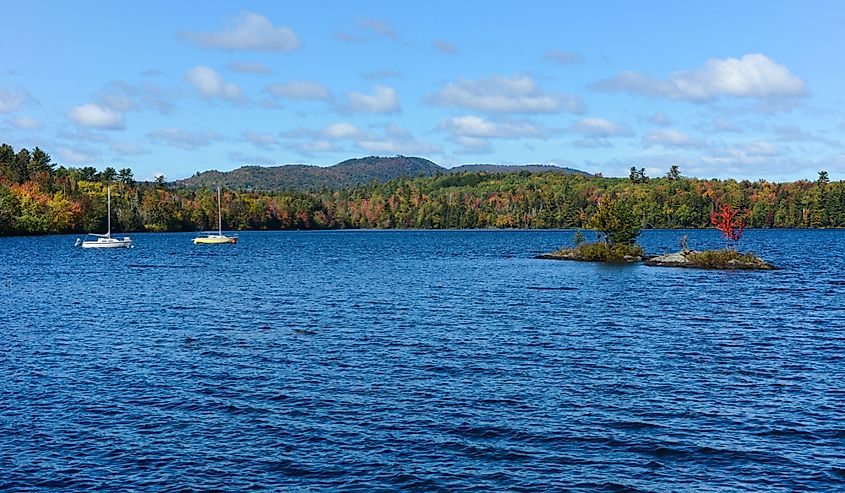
[[711, 259]]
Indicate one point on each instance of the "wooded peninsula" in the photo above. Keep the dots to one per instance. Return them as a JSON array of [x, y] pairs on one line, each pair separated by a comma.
[[38, 197]]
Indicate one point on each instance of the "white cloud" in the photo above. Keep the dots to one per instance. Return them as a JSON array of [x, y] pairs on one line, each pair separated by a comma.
[[77, 156], [261, 140], [670, 137], [378, 27], [397, 146], [210, 85], [309, 142], [752, 76], [472, 145], [248, 31], [598, 128], [660, 119], [791, 133], [473, 133], [342, 130], [383, 100], [25, 123], [563, 57], [517, 94], [760, 148], [122, 96], [96, 116], [723, 125], [80, 134], [733, 157], [349, 38], [117, 102], [244, 159], [445, 47], [184, 139], [301, 90], [11, 100], [382, 74], [250, 68], [474, 126], [312, 147], [592, 143], [397, 140], [127, 148]]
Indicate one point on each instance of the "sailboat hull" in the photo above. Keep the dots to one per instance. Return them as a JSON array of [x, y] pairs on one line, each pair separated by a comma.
[[214, 240], [125, 242]]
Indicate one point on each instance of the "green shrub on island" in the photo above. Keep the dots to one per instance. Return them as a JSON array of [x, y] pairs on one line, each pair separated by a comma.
[[616, 226], [600, 252], [726, 258]]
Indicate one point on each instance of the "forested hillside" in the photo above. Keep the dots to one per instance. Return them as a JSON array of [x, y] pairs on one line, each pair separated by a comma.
[[36, 198], [347, 174]]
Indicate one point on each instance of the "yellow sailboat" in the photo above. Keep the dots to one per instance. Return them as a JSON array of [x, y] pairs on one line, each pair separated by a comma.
[[219, 237]]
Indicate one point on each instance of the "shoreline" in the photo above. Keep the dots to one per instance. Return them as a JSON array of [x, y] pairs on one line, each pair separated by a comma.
[[563, 230]]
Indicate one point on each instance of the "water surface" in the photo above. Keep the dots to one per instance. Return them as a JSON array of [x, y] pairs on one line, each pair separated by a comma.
[[419, 360]]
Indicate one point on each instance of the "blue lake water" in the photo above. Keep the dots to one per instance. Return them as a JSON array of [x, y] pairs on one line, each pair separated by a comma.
[[419, 360]]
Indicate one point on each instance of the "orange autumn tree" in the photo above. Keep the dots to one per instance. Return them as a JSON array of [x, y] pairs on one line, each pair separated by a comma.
[[730, 222]]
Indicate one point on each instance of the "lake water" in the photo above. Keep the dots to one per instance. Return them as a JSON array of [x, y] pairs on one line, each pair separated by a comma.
[[419, 360]]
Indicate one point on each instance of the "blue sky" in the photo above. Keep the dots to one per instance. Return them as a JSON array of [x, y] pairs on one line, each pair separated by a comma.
[[723, 89]]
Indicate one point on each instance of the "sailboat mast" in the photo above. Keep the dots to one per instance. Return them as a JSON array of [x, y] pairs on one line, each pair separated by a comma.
[[219, 214], [108, 200]]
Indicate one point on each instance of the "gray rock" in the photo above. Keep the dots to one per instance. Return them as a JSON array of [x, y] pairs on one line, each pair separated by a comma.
[[670, 260]]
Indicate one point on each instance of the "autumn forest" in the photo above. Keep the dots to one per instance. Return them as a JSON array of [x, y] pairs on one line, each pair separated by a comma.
[[38, 197]]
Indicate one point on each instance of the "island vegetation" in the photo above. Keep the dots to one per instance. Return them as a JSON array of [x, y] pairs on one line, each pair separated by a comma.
[[731, 223], [37, 196], [616, 228]]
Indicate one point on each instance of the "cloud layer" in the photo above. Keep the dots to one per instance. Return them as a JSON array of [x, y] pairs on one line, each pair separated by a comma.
[[301, 90], [11, 100], [184, 139], [382, 100], [500, 94], [247, 32], [752, 76], [211, 85], [96, 116]]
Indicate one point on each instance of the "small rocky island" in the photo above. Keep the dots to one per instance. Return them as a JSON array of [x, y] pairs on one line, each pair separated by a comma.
[[598, 252], [711, 259], [726, 259], [617, 229]]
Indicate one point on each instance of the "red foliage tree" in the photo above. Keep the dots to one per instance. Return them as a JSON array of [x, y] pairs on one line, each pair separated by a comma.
[[729, 221]]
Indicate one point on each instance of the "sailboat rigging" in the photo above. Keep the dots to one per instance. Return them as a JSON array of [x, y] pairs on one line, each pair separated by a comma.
[[219, 237], [106, 240]]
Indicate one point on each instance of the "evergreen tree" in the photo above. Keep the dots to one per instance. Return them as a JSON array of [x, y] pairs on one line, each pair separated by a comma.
[[616, 222], [39, 162], [674, 173]]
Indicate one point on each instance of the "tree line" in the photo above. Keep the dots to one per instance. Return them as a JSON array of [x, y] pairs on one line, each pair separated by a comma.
[[38, 197]]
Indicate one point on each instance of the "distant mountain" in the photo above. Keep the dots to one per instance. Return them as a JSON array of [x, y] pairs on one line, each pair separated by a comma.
[[516, 168], [346, 174]]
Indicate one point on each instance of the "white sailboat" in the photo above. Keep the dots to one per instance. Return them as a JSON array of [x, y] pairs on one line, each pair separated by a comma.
[[216, 238], [106, 240]]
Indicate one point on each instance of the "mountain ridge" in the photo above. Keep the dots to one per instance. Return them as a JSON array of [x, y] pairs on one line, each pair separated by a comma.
[[346, 174]]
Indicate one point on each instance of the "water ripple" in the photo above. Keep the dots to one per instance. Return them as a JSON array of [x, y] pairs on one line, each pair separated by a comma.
[[420, 361]]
